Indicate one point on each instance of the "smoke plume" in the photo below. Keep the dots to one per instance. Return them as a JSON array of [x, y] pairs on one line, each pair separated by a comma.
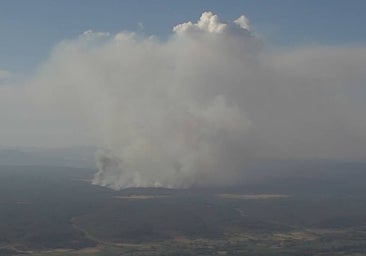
[[197, 108]]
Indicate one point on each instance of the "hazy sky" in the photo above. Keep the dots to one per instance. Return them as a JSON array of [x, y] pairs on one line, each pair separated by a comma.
[[30, 29], [177, 94]]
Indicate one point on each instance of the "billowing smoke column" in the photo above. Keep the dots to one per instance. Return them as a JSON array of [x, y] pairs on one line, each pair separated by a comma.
[[196, 109], [176, 128]]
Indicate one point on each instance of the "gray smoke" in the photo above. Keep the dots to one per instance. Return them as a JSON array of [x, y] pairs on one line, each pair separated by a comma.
[[198, 108]]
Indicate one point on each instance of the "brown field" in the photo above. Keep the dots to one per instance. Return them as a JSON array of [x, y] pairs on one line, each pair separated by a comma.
[[140, 197], [252, 196]]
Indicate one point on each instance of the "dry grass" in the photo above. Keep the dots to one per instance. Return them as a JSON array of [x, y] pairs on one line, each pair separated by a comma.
[[253, 196], [140, 197]]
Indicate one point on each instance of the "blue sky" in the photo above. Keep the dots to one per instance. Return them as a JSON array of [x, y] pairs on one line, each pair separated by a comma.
[[29, 29]]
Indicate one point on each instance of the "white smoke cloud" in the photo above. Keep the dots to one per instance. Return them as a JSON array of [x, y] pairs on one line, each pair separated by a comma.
[[243, 22], [208, 22], [197, 108]]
